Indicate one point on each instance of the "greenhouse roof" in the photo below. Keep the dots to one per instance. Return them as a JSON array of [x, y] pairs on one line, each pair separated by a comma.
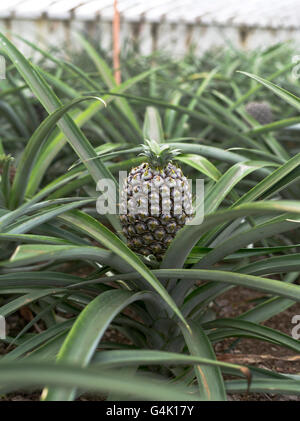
[[254, 13]]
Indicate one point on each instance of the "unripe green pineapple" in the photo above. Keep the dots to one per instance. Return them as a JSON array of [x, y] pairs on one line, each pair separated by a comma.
[[156, 201], [6, 161], [261, 111]]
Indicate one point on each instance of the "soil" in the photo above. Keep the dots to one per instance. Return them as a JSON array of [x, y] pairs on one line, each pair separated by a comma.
[[255, 352], [242, 351]]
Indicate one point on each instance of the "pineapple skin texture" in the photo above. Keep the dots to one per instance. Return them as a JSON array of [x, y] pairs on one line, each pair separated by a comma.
[[163, 211], [261, 111]]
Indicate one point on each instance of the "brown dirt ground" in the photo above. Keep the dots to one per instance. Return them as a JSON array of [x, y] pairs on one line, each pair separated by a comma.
[[235, 302]]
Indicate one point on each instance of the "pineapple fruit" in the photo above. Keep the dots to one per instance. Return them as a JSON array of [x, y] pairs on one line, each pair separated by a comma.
[[156, 201], [261, 111]]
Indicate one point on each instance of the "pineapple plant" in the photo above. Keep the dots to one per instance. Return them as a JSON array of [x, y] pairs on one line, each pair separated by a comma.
[[165, 312], [261, 111], [156, 201]]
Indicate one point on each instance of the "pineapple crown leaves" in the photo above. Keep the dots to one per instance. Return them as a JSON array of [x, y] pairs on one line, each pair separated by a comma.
[[5, 159], [158, 154]]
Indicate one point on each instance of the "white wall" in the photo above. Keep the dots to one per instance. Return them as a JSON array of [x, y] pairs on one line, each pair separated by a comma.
[[172, 37]]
